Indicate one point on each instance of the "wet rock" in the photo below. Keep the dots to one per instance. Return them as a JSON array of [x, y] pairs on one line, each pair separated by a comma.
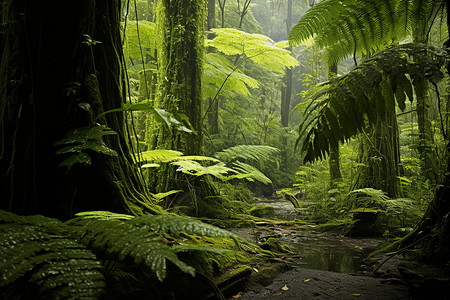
[[273, 245], [365, 223], [262, 211]]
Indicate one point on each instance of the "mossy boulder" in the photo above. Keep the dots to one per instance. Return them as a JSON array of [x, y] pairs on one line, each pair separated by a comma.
[[273, 245], [262, 211]]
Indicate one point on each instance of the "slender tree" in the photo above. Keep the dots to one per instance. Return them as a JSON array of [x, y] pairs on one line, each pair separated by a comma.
[[180, 64], [286, 90], [334, 156], [60, 67]]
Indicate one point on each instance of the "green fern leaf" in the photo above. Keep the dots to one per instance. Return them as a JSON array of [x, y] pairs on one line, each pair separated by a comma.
[[257, 153], [258, 48], [192, 167], [36, 249], [120, 240], [176, 225], [250, 173]]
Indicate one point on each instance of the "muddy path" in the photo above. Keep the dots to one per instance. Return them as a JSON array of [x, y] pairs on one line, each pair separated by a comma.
[[333, 266]]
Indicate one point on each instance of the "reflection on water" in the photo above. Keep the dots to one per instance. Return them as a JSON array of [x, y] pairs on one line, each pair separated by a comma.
[[283, 209], [321, 252], [330, 254]]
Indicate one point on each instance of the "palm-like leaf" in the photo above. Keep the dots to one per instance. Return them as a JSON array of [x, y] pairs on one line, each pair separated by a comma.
[[362, 27], [258, 48], [344, 105]]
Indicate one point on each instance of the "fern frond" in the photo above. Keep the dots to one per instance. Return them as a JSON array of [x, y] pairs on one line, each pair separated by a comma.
[[258, 48], [36, 249], [249, 172], [255, 153], [360, 27], [192, 167], [218, 69], [176, 225], [160, 155], [103, 215], [341, 109], [123, 240]]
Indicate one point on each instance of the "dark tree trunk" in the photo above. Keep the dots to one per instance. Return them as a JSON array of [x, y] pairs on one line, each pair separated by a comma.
[[379, 157], [180, 65], [334, 156], [49, 72]]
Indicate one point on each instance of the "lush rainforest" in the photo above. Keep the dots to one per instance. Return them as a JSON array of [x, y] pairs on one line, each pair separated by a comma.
[[139, 139]]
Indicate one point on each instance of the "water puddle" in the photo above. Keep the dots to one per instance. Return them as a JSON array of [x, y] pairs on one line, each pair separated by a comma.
[[315, 250], [331, 253]]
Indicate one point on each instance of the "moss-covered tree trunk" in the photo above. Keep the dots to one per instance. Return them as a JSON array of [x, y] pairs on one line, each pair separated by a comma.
[[334, 161], [53, 78], [212, 104], [379, 156], [180, 63], [427, 147]]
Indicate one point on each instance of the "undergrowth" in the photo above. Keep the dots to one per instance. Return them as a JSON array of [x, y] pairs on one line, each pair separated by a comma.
[[87, 256]]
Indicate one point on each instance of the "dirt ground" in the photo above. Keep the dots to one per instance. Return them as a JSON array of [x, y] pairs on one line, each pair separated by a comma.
[[316, 284]]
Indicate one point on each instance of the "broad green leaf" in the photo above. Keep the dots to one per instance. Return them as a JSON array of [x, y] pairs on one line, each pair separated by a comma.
[[160, 196], [82, 134], [256, 47], [160, 155], [80, 158], [100, 147]]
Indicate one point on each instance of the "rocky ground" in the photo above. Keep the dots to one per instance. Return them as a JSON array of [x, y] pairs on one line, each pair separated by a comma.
[[396, 278]]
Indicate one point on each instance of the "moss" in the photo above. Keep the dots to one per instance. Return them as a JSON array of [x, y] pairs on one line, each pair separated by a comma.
[[212, 264], [261, 210], [273, 245]]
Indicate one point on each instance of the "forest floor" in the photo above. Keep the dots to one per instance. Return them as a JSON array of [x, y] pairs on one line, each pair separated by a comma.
[[332, 266]]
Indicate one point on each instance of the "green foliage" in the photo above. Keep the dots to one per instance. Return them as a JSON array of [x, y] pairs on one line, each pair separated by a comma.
[[397, 213], [361, 27], [367, 198], [161, 116], [78, 140], [256, 47], [39, 251], [345, 104], [249, 172], [253, 153], [41, 256], [218, 70], [139, 35], [237, 170]]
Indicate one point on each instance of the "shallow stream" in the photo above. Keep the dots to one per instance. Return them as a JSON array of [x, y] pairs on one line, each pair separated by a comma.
[[316, 250]]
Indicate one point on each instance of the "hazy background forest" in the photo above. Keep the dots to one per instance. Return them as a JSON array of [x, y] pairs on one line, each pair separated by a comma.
[[256, 89]]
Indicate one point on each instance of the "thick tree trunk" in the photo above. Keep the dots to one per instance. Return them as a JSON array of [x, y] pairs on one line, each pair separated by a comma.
[[334, 156], [53, 78], [379, 157], [180, 65]]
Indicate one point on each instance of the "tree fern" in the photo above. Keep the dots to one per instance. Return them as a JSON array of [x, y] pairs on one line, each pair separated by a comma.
[[260, 154], [342, 107], [361, 27], [257, 47], [217, 71]]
